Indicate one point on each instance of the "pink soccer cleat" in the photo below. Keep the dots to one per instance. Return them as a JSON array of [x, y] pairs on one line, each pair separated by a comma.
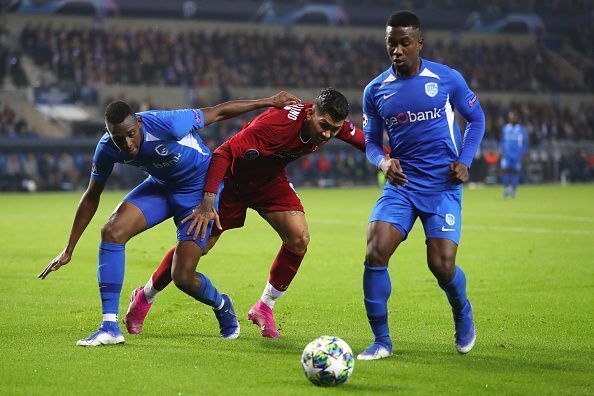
[[261, 314], [137, 311]]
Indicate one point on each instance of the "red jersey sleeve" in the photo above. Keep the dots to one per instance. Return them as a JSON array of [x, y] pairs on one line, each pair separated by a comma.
[[352, 135], [219, 164]]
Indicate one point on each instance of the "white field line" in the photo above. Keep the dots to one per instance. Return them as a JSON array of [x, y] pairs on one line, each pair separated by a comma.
[[521, 230]]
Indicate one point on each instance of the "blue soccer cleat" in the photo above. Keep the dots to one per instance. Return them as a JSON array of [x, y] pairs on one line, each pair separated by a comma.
[[108, 334], [376, 351], [227, 319], [465, 335]]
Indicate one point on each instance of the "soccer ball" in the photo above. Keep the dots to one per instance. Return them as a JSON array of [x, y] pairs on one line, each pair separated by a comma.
[[327, 361]]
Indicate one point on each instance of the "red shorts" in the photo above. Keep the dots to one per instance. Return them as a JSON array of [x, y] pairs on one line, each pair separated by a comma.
[[234, 201]]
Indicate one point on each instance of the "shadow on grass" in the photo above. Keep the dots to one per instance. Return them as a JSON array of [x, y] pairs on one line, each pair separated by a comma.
[[486, 358]]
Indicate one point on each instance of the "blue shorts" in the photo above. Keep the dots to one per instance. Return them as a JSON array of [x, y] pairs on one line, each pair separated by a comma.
[[440, 211], [158, 203], [511, 163]]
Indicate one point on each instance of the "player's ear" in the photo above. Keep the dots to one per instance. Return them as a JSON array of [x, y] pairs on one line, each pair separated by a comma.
[[421, 40], [309, 112]]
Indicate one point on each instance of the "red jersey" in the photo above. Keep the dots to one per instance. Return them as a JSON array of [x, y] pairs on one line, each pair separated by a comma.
[[260, 152]]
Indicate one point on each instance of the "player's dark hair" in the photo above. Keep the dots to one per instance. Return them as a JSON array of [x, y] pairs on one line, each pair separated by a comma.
[[404, 19], [330, 101], [117, 111]]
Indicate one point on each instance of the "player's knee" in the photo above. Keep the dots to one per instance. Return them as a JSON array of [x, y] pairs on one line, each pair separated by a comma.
[[113, 234], [443, 266], [182, 281], [298, 243], [375, 257]]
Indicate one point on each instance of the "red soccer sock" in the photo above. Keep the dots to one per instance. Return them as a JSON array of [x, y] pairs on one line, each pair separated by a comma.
[[284, 268], [162, 275]]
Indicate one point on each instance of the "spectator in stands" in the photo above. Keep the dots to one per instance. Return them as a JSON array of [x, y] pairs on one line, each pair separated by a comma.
[[198, 59]]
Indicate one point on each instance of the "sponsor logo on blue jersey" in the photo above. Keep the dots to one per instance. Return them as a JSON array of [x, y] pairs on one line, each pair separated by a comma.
[[410, 117], [174, 160]]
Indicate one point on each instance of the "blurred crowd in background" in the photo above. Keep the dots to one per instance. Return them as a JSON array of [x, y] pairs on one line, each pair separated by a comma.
[[92, 57], [256, 59]]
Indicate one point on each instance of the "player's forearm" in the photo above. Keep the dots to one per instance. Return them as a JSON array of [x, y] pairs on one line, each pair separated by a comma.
[[235, 108], [373, 152], [472, 136], [87, 208], [355, 138]]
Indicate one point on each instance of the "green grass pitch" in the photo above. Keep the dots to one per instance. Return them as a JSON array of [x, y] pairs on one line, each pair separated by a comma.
[[529, 264]]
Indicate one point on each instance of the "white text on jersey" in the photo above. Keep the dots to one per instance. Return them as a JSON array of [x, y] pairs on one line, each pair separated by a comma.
[[406, 117], [294, 111]]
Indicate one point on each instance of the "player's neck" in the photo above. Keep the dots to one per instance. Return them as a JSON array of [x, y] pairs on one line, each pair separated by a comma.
[[304, 141], [416, 69]]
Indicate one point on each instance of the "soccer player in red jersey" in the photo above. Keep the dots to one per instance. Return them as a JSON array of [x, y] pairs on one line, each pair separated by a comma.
[[252, 165]]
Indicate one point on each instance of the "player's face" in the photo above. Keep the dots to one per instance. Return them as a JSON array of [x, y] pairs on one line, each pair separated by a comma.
[[126, 135], [513, 117], [404, 45], [321, 127]]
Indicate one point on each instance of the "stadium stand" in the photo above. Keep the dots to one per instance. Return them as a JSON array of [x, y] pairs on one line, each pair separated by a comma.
[[80, 66]]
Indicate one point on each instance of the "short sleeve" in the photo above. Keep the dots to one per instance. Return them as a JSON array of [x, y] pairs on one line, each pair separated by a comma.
[[103, 162]]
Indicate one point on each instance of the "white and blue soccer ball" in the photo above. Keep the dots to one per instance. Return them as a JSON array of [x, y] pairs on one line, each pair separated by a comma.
[[327, 361]]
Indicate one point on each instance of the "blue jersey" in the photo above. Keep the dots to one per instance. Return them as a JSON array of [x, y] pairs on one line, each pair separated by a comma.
[[171, 151], [514, 141], [418, 114]]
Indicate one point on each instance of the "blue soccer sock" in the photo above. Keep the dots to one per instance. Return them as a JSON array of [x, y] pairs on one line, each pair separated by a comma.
[[376, 289], [515, 180], [455, 291], [207, 293], [505, 179], [110, 274]]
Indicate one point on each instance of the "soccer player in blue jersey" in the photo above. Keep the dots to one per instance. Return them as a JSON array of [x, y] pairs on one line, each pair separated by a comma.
[[167, 146], [414, 100], [514, 146]]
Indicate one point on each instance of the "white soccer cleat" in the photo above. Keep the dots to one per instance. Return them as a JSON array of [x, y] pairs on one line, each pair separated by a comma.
[[375, 352], [102, 337], [464, 349]]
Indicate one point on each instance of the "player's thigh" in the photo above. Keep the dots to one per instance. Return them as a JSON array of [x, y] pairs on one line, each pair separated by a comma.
[[281, 207], [441, 214], [142, 208], [151, 199], [183, 202], [441, 253], [395, 208], [382, 240], [290, 225]]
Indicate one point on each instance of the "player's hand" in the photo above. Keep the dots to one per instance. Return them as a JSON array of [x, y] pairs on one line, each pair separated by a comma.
[[61, 259], [458, 173], [202, 216], [392, 171], [283, 99]]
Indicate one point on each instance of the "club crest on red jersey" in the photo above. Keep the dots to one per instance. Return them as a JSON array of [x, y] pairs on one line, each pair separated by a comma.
[[251, 154]]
